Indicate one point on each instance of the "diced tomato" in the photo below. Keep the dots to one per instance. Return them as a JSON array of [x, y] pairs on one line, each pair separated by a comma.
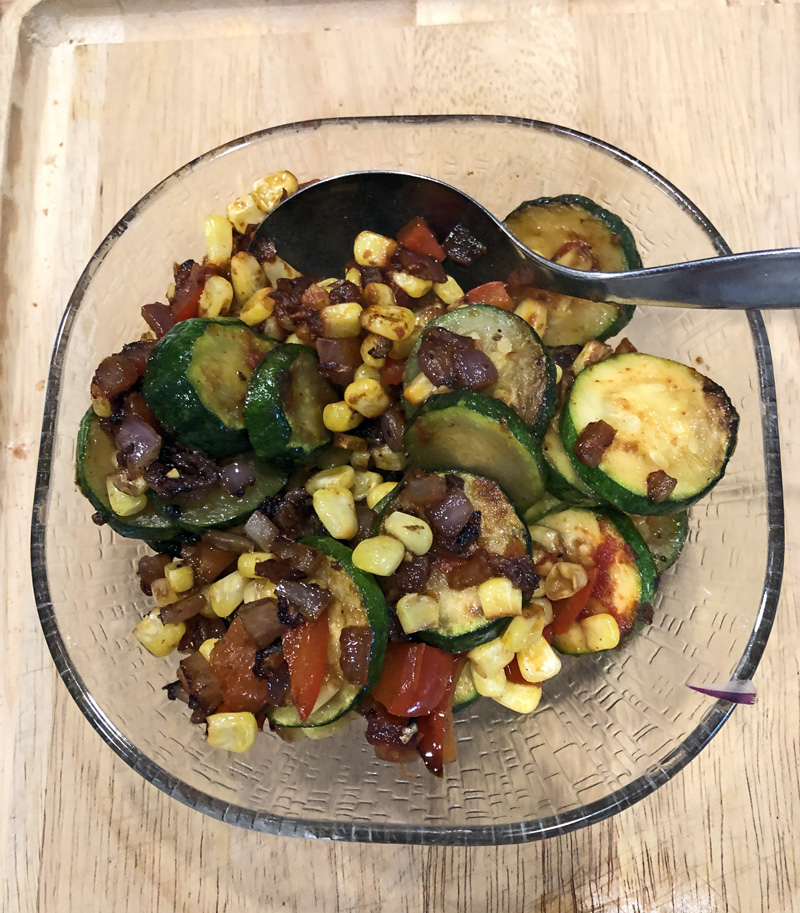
[[491, 293], [513, 673], [418, 237], [548, 633], [414, 679], [567, 610], [437, 743], [392, 371], [305, 649], [232, 660]]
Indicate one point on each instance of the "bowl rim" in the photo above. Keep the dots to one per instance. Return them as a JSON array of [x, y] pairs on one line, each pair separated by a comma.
[[465, 835]]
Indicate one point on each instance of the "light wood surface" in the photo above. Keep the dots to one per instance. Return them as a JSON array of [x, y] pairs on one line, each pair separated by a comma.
[[706, 92]]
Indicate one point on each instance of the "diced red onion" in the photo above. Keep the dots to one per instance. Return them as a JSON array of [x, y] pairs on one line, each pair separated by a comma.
[[138, 442], [339, 358], [477, 370], [159, 317], [302, 557], [355, 644], [226, 541], [207, 562], [735, 691], [114, 375], [151, 568], [393, 425], [261, 621], [453, 514], [235, 478], [424, 489], [261, 530], [309, 598], [183, 609]]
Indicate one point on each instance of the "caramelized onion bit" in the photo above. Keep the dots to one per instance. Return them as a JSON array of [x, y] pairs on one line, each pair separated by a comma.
[[660, 486], [114, 375], [452, 360], [420, 265], [453, 514], [196, 473], [183, 609], [424, 489], [310, 599], [277, 571], [393, 425], [271, 668], [139, 444], [205, 692], [462, 246], [159, 317], [393, 738], [207, 562], [150, 569], [355, 644], [226, 541], [339, 358], [344, 291], [303, 557], [593, 442], [261, 621], [475, 369]]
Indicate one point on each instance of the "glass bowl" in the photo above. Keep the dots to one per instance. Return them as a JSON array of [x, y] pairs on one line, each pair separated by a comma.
[[611, 728]]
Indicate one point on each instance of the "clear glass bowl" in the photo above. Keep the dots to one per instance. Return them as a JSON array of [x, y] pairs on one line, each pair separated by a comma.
[[610, 728]]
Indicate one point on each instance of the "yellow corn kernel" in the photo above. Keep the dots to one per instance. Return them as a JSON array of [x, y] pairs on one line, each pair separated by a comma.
[[387, 459], [207, 646], [232, 731], [549, 539], [340, 417], [559, 374], [379, 294], [269, 191], [564, 580], [591, 354], [173, 474], [219, 240], [541, 604], [520, 698], [247, 277], [412, 285], [158, 638], [341, 321], [572, 641], [227, 594], [258, 307], [402, 347], [260, 588], [337, 511], [365, 370], [419, 390], [124, 505], [278, 269], [534, 313], [294, 339], [379, 492], [380, 555], [353, 275], [206, 611], [359, 460], [499, 598], [449, 291], [368, 397], [523, 631], [328, 284], [539, 661], [372, 343], [171, 291], [370, 249], [364, 482], [415, 534], [179, 576], [491, 685], [244, 211], [216, 298], [131, 485], [335, 477], [417, 612], [388, 320], [101, 406], [490, 657], [246, 564], [601, 632]]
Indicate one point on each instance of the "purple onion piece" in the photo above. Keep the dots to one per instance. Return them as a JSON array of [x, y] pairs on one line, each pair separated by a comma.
[[477, 370], [138, 442], [261, 530], [235, 477], [453, 514], [737, 692]]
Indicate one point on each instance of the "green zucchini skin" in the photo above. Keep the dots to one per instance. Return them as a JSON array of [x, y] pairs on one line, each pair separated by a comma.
[[562, 480], [94, 459], [463, 643], [527, 374], [629, 495], [375, 615], [665, 536], [196, 381], [465, 693], [284, 403], [468, 431]]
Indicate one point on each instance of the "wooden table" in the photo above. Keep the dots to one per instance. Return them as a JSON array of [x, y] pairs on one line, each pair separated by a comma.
[[707, 93]]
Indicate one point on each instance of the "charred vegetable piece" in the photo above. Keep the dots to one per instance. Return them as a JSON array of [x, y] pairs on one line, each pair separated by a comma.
[[665, 537]]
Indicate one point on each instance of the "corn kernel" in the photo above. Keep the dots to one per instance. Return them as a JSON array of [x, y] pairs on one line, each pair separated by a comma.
[[601, 632], [171, 291], [523, 631], [500, 598], [101, 406], [534, 313], [539, 661], [337, 511], [341, 321], [278, 269], [219, 240], [232, 731], [387, 459], [260, 588], [244, 211], [491, 685], [415, 534], [417, 612], [258, 307], [206, 611], [449, 291], [402, 347], [353, 275], [247, 277], [364, 482], [359, 460], [372, 343], [419, 390], [388, 320], [543, 605], [247, 561], [131, 485], [591, 354], [179, 576], [269, 191], [413, 286], [379, 492], [564, 580], [370, 249], [158, 638], [379, 294], [340, 417], [124, 505], [364, 371], [335, 477], [520, 698], [368, 397], [216, 298], [549, 539], [490, 657], [380, 555], [227, 594], [207, 646]]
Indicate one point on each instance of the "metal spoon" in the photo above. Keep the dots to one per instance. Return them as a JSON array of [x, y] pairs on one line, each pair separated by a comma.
[[314, 230]]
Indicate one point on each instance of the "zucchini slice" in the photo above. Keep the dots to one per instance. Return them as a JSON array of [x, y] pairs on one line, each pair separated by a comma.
[[664, 536], [526, 374], [465, 694], [95, 458], [196, 381], [475, 433], [462, 624], [562, 479], [357, 600], [284, 403], [576, 231], [627, 576], [667, 418], [219, 509]]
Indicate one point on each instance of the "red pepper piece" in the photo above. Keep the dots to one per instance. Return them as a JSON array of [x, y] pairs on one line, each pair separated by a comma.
[[491, 293], [567, 610], [513, 673], [437, 743], [414, 679], [392, 371], [418, 237], [305, 649]]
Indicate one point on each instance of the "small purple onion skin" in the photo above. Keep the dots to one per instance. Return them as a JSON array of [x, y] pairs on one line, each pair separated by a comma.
[[235, 477], [138, 442], [734, 691]]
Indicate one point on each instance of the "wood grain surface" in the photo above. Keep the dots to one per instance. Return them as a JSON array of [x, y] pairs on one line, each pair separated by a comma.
[[706, 92]]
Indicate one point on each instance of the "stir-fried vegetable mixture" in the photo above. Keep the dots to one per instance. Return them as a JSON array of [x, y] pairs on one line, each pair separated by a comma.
[[381, 495]]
